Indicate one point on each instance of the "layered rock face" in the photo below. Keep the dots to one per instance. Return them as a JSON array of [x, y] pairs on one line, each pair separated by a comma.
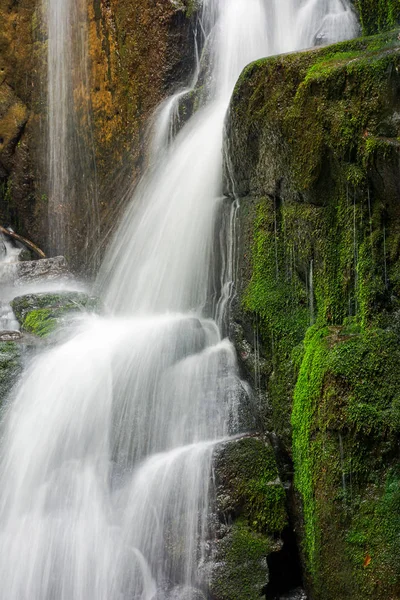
[[313, 155], [139, 52]]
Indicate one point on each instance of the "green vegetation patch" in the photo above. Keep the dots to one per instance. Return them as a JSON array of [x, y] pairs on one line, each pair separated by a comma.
[[345, 447], [378, 15], [249, 487]]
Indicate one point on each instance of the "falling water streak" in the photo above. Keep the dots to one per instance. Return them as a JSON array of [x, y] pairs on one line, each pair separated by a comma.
[[107, 443], [311, 293], [9, 254], [72, 185], [227, 251], [385, 257], [370, 224], [229, 239], [342, 464], [228, 245], [355, 255], [257, 369]]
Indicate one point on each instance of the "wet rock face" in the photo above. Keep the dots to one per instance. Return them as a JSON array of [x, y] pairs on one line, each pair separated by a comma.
[[378, 15], [312, 143], [13, 118]]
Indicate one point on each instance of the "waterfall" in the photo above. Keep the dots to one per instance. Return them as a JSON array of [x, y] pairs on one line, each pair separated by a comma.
[[107, 441], [72, 188]]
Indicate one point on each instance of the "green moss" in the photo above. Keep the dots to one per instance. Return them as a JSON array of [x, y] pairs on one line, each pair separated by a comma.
[[321, 126], [41, 322], [378, 15], [251, 505], [277, 298], [374, 540], [314, 145], [306, 398], [345, 437]]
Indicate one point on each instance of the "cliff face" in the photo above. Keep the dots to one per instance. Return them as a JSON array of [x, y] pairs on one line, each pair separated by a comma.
[[19, 57], [139, 53], [312, 141]]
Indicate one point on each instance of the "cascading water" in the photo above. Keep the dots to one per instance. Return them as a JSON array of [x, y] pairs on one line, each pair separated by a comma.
[[107, 442], [72, 188], [9, 254]]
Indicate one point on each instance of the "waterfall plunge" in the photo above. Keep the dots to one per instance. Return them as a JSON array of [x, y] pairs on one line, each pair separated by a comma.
[[107, 442]]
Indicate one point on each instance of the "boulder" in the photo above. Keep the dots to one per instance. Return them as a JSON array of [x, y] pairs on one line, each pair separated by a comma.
[[33, 271], [41, 314]]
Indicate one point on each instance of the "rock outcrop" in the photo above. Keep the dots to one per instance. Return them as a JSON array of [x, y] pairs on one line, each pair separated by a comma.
[[312, 143]]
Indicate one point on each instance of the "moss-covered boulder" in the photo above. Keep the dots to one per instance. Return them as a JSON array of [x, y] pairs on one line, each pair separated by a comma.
[[41, 314], [312, 139], [10, 366], [313, 145], [250, 505]]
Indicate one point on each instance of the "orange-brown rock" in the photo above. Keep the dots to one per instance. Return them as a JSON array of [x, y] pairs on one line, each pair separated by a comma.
[[138, 53]]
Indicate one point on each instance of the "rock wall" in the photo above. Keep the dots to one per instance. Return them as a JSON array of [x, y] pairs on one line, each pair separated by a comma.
[[139, 53], [312, 143], [20, 54]]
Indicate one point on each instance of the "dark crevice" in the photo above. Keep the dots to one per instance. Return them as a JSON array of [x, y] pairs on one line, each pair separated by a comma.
[[285, 573]]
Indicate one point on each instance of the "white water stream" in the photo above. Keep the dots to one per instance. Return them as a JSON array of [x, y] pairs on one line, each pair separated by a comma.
[[107, 442], [9, 255], [72, 186]]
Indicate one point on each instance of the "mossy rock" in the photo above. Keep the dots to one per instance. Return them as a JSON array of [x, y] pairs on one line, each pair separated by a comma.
[[378, 15], [313, 143], [346, 434], [251, 512], [248, 485], [10, 367], [41, 314]]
